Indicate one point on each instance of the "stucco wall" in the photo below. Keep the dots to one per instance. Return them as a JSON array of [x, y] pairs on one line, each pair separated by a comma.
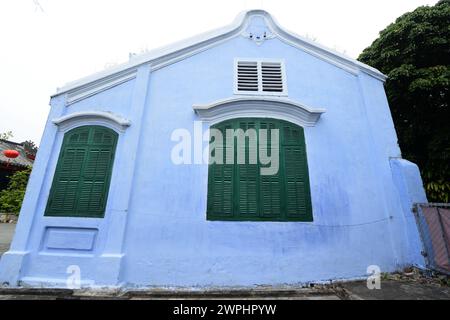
[[169, 241], [155, 231]]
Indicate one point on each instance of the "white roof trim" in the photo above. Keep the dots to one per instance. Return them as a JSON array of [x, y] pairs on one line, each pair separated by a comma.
[[261, 107], [161, 57], [90, 89]]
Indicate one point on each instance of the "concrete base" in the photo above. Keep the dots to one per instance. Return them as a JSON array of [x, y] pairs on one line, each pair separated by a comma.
[[356, 290]]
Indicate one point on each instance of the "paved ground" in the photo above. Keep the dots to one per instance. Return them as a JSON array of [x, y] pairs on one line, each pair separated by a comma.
[[398, 290], [390, 290], [406, 286], [6, 234]]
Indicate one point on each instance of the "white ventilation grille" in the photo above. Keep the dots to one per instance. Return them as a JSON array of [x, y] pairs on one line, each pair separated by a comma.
[[263, 77], [247, 76], [272, 77]]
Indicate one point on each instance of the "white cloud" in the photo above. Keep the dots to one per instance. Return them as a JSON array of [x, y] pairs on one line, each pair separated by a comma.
[[42, 49]]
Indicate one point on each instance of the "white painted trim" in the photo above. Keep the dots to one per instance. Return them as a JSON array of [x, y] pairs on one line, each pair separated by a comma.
[[108, 119], [167, 55], [261, 107], [103, 84], [181, 50], [260, 92]]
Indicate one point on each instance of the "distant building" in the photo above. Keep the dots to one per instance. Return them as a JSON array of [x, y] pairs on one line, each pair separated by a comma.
[[112, 200], [8, 166]]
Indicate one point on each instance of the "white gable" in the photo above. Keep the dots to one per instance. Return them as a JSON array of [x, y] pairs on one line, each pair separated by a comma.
[[257, 25]]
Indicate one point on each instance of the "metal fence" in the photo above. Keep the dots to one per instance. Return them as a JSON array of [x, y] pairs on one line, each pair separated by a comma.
[[433, 221]]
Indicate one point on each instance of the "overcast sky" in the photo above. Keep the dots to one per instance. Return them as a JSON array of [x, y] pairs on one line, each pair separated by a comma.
[[47, 43]]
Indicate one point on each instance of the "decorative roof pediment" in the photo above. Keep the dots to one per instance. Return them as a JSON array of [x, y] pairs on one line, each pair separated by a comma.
[[261, 107], [257, 30], [256, 25]]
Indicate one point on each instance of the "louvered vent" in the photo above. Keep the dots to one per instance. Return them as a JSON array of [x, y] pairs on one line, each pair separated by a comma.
[[260, 77], [247, 76], [272, 77]]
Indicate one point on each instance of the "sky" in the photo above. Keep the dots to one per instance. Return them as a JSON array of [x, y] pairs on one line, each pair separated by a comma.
[[47, 43]]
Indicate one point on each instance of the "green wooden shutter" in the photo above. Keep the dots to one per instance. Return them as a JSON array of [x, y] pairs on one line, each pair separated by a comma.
[[81, 182], [220, 185], [270, 185], [239, 191], [247, 175], [297, 193], [66, 181]]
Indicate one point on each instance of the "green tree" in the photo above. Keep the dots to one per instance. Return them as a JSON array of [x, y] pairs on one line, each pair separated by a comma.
[[11, 198], [30, 147], [6, 135], [415, 53]]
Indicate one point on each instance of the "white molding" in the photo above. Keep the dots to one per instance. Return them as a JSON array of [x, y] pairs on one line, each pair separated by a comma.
[[261, 107], [322, 52], [162, 57], [103, 84], [181, 50], [107, 119]]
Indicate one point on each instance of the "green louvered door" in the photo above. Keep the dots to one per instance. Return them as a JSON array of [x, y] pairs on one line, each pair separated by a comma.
[[238, 191], [81, 182]]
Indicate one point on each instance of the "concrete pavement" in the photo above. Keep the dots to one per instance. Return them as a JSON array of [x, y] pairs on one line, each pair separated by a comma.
[[357, 290], [397, 290]]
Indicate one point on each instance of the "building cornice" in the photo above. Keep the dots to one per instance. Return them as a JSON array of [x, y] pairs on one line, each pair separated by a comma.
[[100, 85], [165, 56]]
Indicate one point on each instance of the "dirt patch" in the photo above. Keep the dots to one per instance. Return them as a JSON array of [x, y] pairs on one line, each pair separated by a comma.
[[419, 276]]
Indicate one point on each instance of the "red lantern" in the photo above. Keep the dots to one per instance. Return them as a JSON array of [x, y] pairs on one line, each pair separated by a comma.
[[11, 153]]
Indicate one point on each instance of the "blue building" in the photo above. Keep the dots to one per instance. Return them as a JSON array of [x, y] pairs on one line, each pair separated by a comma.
[[122, 193]]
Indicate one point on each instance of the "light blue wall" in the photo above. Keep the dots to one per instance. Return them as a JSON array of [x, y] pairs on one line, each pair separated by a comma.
[[112, 100], [406, 176], [359, 203]]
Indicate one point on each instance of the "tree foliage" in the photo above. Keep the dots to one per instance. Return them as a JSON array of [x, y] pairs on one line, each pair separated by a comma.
[[30, 147], [11, 198], [6, 135], [415, 53]]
